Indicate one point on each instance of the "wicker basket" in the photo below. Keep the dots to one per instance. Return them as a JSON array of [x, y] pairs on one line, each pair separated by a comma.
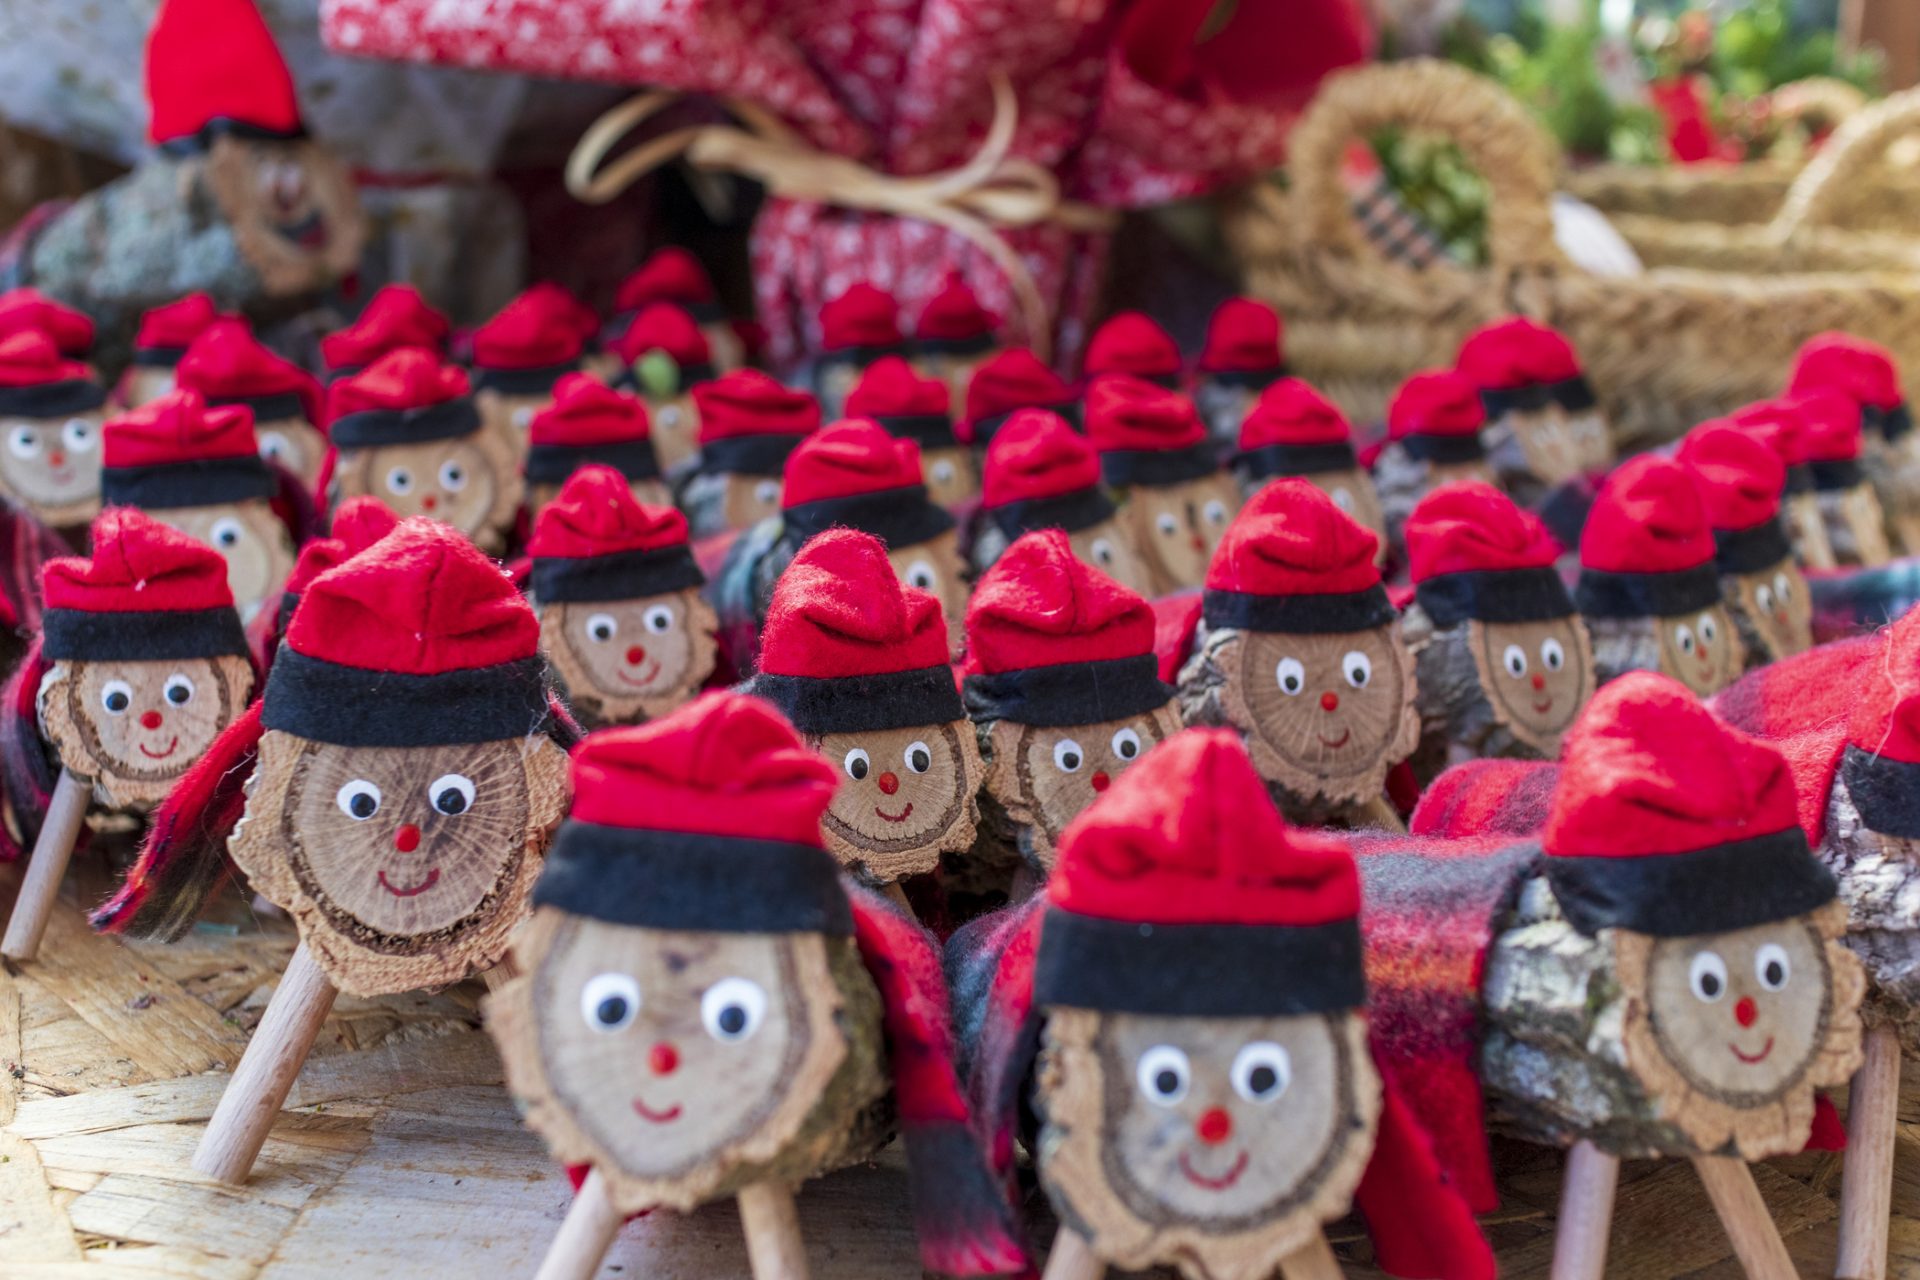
[[1664, 350]]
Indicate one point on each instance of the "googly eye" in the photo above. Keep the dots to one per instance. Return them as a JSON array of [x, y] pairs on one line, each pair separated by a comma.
[[1709, 629], [1357, 668], [1772, 967], [1763, 598], [767, 493], [857, 764], [1067, 756], [79, 435], [1261, 1071], [1342, 498], [1707, 975], [1783, 588], [522, 417], [1291, 675], [1683, 637], [1163, 1074], [23, 442], [1167, 523], [658, 619], [668, 417], [1103, 554], [609, 1002], [275, 447], [359, 799], [602, 627], [733, 1008], [399, 481], [116, 696], [225, 533], [453, 477], [179, 689], [1552, 654], [1215, 513], [918, 757], [1514, 659], [920, 574], [943, 472], [1126, 745], [452, 793]]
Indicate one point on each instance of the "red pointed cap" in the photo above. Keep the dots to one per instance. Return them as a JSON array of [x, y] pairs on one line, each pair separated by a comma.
[[1037, 455], [1189, 835], [1516, 352], [25, 308], [1437, 402], [172, 326], [849, 458], [1291, 540], [1779, 423], [421, 601], [1040, 606], [1647, 518], [596, 514], [214, 62], [1471, 527], [138, 565], [395, 317], [176, 429], [723, 765], [1244, 336], [663, 326], [539, 329], [863, 316], [839, 611], [1291, 412], [1132, 343], [954, 313], [227, 363], [1865, 371], [586, 411], [670, 275], [1125, 413], [1886, 717], [410, 378], [1013, 379], [889, 388], [747, 402], [1739, 475], [1830, 426], [357, 524], [29, 358]]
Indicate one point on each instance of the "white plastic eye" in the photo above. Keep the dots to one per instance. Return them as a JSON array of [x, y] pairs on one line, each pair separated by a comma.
[[1261, 1071], [23, 442], [659, 619], [1103, 553], [1342, 499], [1772, 967], [1514, 659], [1067, 756], [1167, 523], [453, 477], [1783, 588], [1683, 637], [668, 417], [226, 533], [1357, 668], [1126, 745], [179, 689], [943, 472], [116, 696], [920, 574], [609, 1001], [1763, 598], [275, 447], [358, 799], [79, 435], [767, 493], [733, 1008], [1552, 654], [1215, 513], [918, 757], [399, 481], [1291, 675], [1707, 975], [523, 416], [451, 793], [856, 763], [1709, 629], [1163, 1074], [602, 627]]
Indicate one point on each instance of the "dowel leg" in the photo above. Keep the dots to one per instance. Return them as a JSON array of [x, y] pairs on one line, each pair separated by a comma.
[[47, 866], [267, 1070], [499, 975], [1313, 1260], [1072, 1259], [1586, 1213], [1756, 1241], [1866, 1178], [584, 1236], [898, 896], [771, 1224]]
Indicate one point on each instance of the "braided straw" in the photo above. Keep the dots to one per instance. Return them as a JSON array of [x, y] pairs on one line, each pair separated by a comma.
[[1844, 165]]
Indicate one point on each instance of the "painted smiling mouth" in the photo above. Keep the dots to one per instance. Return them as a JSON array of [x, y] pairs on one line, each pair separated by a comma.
[[1220, 1183], [1543, 707], [433, 878], [652, 673], [1751, 1059], [1334, 744], [173, 745], [309, 233], [647, 1113], [888, 817]]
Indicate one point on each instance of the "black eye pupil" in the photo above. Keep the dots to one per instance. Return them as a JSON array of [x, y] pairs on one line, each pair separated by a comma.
[[362, 805], [1126, 750], [116, 702], [602, 632], [1072, 760], [178, 695], [1262, 1079], [733, 1020], [1167, 1082], [451, 801], [611, 1011], [921, 762], [1710, 984], [1775, 974], [858, 769]]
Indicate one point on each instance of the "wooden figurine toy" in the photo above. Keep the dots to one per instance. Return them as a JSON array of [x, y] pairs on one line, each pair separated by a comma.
[[402, 777], [1042, 474], [856, 328], [1131, 343], [1502, 659], [1293, 430], [859, 664], [1780, 424], [1174, 496], [1831, 446], [1241, 359], [1005, 383], [954, 336], [1867, 373], [1649, 589], [672, 275], [1544, 426], [749, 423], [1741, 481], [357, 524], [406, 432], [528, 346], [1300, 651], [914, 407], [705, 1008], [51, 409], [395, 317], [227, 366], [199, 470], [140, 666], [1062, 686], [1433, 438], [588, 423], [664, 356], [164, 334], [1206, 1095], [622, 620]]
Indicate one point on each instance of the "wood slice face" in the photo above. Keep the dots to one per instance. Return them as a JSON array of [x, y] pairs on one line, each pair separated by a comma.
[[724, 345], [1044, 777], [1776, 607], [1353, 492], [937, 567], [1325, 716], [1108, 546], [1217, 1145], [955, 370], [1856, 525], [905, 797], [1536, 676], [1552, 452], [292, 208], [673, 424], [143, 383], [1731, 1033], [625, 661], [1700, 650], [295, 444], [510, 416], [1807, 530], [249, 537], [51, 466], [404, 867], [135, 727], [836, 382], [747, 500], [1176, 528], [1439, 473], [951, 481], [471, 482]]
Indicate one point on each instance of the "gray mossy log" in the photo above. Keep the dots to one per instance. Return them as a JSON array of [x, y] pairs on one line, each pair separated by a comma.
[[1880, 883], [1001, 843], [1451, 700], [1621, 645], [1855, 523]]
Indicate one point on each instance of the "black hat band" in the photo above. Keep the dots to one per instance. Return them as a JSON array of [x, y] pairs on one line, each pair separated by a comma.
[[354, 707], [1495, 595], [1244, 379], [900, 517], [1332, 614], [623, 575], [1445, 450], [52, 399], [1158, 467], [157, 357], [1080, 509], [1890, 423], [523, 382], [761, 455], [928, 430], [1841, 473], [1270, 461], [819, 705], [985, 429], [554, 463], [268, 408], [1069, 693], [371, 428], [1714, 890], [1752, 549], [156, 635], [1574, 395], [972, 345], [1647, 595], [204, 482], [226, 127], [1885, 792]]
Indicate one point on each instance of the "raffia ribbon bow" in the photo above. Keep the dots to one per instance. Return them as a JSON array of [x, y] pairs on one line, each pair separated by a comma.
[[975, 200]]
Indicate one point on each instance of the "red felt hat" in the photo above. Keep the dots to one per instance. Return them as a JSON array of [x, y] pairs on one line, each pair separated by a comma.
[[586, 411], [1516, 352], [1291, 540], [228, 365], [840, 612], [954, 314], [1040, 606], [138, 565], [1779, 423], [395, 317], [539, 329], [1244, 336], [1830, 426], [170, 328], [1132, 343], [665, 326], [596, 514], [670, 275], [1471, 527], [214, 63], [29, 358], [848, 459], [357, 524], [1291, 412], [1865, 371], [1127, 414], [890, 388], [1436, 402], [747, 402], [1647, 518], [175, 430], [865, 316], [1009, 380], [410, 378], [1036, 455], [1739, 475], [25, 308]]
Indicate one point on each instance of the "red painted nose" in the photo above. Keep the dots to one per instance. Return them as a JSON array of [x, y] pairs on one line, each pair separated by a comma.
[[429, 502], [1214, 1126], [889, 783], [663, 1058], [407, 838], [1100, 780], [1746, 1011], [150, 720], [635, 655], [1199, 543], [1330, 701], [1539, 682], [56, 459]]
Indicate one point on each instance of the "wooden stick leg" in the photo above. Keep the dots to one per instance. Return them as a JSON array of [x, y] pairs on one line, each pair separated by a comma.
[[892, 890], [589, 1229], [1072, 1258], [1866, 1179], [499, 975], [1586, 1213], [267, 1070], [1313, 1260], [47, 866], [768, 1219], [1756, 1241]]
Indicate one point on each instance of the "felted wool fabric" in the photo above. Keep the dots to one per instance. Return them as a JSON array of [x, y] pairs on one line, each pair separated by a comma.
[[1132, 343], [25, 309], [228, 365], [1294, 430], [1292, 561], [892, 394], [395, 317], [357, 524], [1519, 363], [214, 67], [1006, 382], [529, 343], [1740, 481], [672, 275], [749, 422], [671, 330], [1041, 473], [854, 474], [404, 384], [1473, 553], [37, 381], [953, 321], [1244, 343], [1436, 416], [1146, 434], [596, 541], [588, 422], [1802, 691], [1647, 549], [178, 452], [863, 321], [1865, 371], [147, 592], [166, 331], [1486, 798]]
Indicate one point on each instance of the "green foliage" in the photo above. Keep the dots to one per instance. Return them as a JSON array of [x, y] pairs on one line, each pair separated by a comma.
[[1433, 178]]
